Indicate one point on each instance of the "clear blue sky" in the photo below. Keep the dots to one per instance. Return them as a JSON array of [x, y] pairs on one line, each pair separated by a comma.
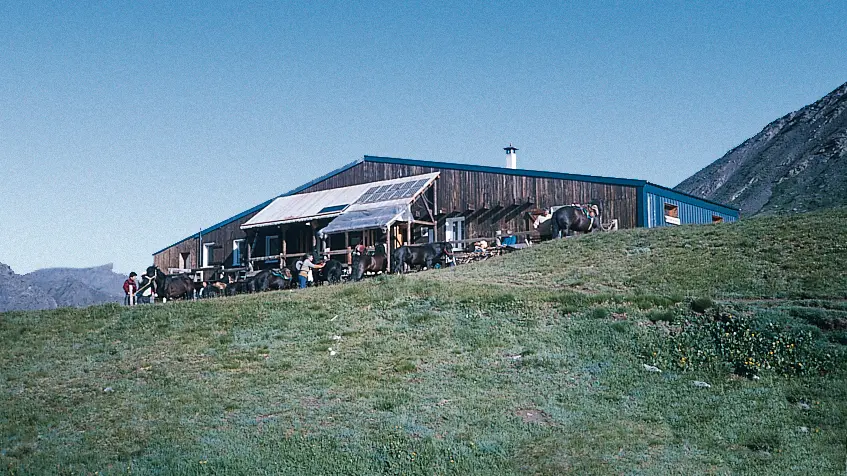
[[127, 126]]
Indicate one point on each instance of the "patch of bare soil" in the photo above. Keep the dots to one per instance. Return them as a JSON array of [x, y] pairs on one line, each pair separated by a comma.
[[533, 415]]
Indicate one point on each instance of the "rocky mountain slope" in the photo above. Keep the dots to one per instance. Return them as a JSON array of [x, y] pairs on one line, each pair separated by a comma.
[[797, 163], [78, 287], [18, 294], [58, 287]]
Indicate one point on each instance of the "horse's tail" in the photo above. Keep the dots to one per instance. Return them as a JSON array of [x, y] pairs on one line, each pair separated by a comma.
[[555, 227]]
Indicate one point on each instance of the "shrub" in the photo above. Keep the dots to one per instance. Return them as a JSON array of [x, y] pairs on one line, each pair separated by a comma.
[[701, 305], [663, 315], [421, 317], [747, 347], [649, 301], [599, 313], [405, 366], [821, 318]]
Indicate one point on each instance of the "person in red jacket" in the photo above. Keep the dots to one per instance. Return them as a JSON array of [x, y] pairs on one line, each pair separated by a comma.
[[130, 288]]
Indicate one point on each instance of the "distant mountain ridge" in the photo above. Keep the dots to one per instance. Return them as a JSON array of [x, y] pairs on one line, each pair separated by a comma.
[[18, 294], [59, 287], [797, 163]]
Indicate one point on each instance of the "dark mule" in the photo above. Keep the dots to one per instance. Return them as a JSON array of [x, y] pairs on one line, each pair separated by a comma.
[[420, 255], [171, 286], [374, 263], [270, 280], [331, 272], [575, 218], [238, 287]]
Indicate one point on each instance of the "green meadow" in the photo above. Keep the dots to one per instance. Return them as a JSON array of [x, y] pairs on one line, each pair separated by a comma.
[[715, 349]]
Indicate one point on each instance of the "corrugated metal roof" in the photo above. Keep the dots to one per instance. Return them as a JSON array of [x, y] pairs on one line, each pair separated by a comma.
[[326, 203], [505, 171], [306, 206]]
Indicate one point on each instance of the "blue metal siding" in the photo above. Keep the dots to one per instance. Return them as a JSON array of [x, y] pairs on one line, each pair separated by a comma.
[[689, 213], [690, 199]]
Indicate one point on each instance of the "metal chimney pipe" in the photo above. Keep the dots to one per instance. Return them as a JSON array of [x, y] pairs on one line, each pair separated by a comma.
[[511, 157]]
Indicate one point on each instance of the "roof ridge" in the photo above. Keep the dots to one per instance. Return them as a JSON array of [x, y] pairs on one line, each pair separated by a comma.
[[505, 170]]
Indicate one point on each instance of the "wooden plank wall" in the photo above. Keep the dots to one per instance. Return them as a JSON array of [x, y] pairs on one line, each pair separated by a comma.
[[222, 237], [489, 201], [492, 201], [169, 258]]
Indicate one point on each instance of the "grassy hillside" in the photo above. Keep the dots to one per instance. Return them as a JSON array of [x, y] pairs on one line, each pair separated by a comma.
[[801, 256], [513, 366]]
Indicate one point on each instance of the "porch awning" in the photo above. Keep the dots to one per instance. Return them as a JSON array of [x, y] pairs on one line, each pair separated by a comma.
[[381, 206], [335, 202], [367, 218]]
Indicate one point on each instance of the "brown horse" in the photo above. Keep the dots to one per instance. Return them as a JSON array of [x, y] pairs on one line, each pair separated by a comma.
[[374, 263], [171, 286]]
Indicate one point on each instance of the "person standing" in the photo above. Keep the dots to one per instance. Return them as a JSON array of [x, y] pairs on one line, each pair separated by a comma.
[[130, 288], [147, 289], [305, 269]]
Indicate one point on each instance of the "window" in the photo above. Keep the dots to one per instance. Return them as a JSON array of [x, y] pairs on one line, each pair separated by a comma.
[[271, 246], [184, 260], [428, 234], [671, 214], [239, 249], [334, 208], [454, 230], [208, 254], [717, 219]]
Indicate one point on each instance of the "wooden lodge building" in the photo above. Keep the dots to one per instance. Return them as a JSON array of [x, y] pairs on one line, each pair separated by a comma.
[[387, 201]]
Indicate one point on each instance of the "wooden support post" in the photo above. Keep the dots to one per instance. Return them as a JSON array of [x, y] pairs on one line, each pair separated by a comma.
[[284, 246], [408, 232], [388, 249], [249, 253], [347, 247], [314, 238], [435, 208]]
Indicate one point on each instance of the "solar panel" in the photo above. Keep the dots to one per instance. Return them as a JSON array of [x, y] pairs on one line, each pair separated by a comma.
[[395, 191]]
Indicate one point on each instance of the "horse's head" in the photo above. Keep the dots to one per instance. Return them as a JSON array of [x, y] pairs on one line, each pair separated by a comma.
[[157, 275], [443, 247]]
